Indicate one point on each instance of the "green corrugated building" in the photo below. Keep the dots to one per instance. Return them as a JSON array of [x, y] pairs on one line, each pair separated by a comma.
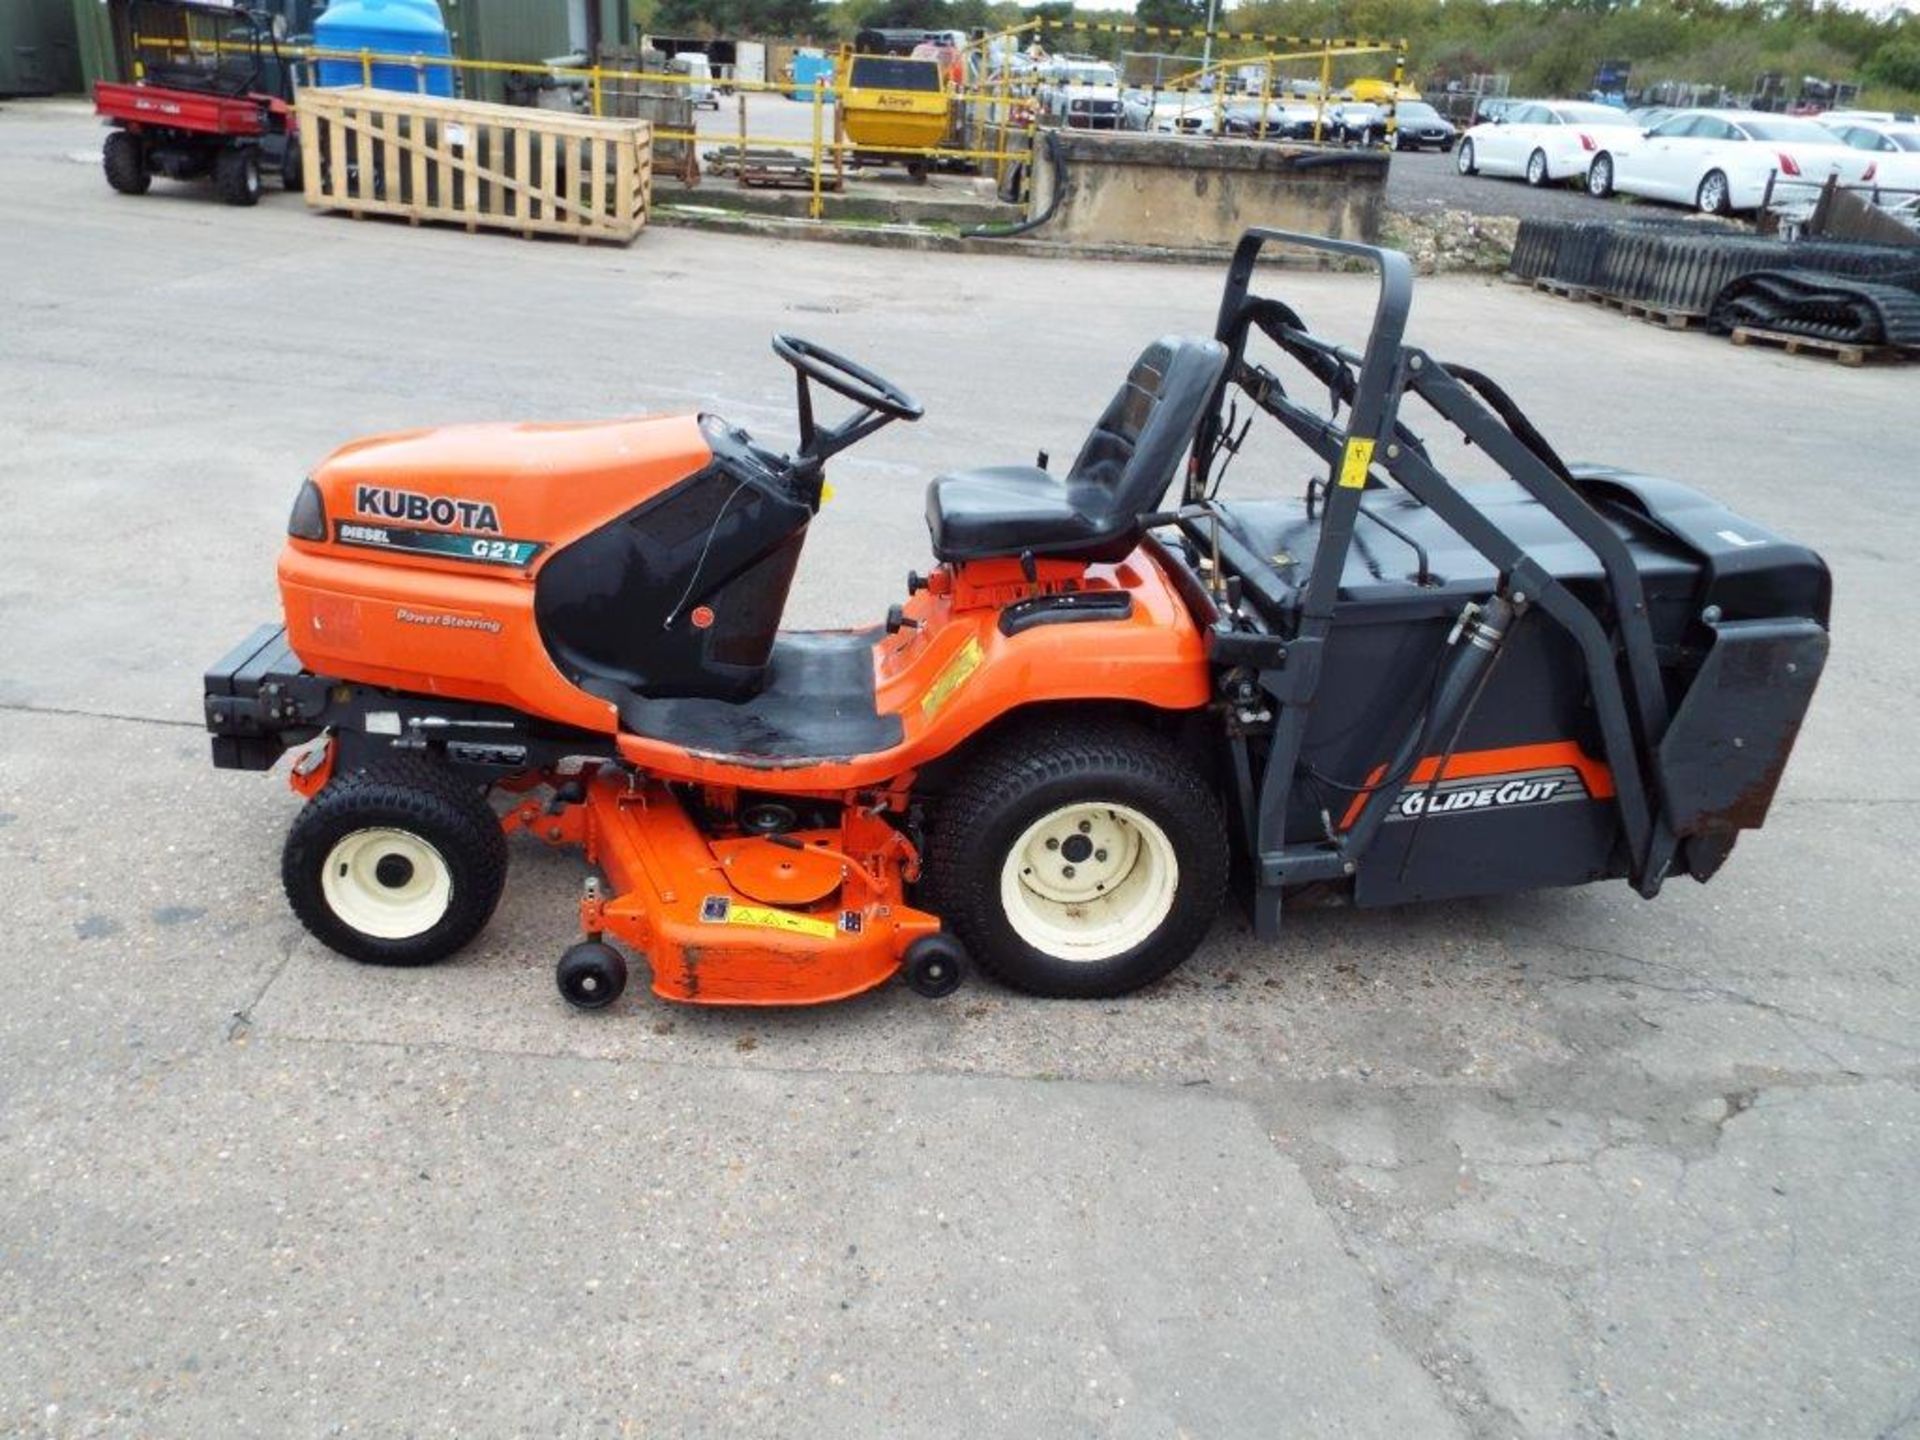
[[509, 30], [39, 51]]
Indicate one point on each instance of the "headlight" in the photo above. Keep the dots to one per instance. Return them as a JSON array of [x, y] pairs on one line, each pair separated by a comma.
[[309, 518]]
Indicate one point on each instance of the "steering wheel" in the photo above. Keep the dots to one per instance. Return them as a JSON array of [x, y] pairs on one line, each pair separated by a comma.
[[842, 376]]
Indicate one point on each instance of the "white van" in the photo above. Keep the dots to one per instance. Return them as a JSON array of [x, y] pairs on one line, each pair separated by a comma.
[[699, 75]]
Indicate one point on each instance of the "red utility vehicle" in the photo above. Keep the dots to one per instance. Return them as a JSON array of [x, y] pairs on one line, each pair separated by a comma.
[[211, 97]]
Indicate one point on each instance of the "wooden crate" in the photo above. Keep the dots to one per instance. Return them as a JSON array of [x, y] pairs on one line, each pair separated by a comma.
[[462, 162]]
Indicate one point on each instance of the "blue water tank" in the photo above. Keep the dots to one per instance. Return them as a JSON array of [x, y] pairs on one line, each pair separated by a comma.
[[385, 27], [808, 68]]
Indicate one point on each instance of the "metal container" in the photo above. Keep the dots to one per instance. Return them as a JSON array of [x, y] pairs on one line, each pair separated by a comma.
[[39, 48], [517, 32]]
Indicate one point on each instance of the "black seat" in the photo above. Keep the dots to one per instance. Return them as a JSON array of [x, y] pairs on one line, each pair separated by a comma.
[[1122, 471]]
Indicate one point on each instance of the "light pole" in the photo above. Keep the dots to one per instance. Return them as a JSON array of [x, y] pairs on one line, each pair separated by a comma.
[[1206, 49]]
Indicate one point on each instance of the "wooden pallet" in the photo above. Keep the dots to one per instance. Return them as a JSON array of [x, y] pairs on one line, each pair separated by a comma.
[[1652, 314], [1845, 353], [463, 162]]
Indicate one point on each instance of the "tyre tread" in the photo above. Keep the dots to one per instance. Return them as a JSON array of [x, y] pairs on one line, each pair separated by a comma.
[[410, 790], [1036, 754]]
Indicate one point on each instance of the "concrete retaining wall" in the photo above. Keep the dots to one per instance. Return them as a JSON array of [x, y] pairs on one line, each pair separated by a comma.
[[1132, 189]]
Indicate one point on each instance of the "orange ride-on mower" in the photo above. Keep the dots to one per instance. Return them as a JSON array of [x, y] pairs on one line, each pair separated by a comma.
[[1102, 705]]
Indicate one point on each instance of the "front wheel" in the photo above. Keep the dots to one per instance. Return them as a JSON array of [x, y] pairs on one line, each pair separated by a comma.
[[1079, 859], [1537, 169], [1463, 162], [236, 176], [1600, 177], [399, 865]]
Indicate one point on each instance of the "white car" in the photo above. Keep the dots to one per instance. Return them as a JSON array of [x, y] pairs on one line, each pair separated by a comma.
[[1720, 161], [1183, 114], [1895, 149], [1868, 117], [1543, 140]]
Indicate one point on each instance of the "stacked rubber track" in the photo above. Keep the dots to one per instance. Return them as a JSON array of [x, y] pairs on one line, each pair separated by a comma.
[[1841, 291], [1820, 307]]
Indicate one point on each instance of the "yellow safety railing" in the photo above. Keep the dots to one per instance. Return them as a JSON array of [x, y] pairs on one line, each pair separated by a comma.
[[1007, 108]]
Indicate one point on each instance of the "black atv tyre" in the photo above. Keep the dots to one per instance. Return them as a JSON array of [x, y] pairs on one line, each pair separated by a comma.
[[1078, 859], [236, 176], [292, 171], [125, 165], [399, 865]]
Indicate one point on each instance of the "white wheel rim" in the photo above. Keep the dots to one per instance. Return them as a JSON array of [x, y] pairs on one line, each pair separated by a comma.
[[1465, 157], [1089, 881], [1537, 167], [389, 884]]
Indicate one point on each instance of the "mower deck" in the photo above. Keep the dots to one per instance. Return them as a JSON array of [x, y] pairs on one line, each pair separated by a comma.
[[786, 920]]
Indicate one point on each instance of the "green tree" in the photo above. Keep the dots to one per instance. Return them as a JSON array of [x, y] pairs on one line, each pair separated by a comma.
[[1896, 64], [1173, 14]]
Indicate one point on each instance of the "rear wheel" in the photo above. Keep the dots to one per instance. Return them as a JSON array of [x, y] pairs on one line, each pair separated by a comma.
[[292, 175], [1713, 197], [399, 865], [1600, 177], [236, 176], [1079, 859], [1537, 169], [1463, 162], [125, 164]]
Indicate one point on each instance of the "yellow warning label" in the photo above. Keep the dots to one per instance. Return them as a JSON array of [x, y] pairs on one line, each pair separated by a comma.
[[1355, 463], [959, 670], [779, 920]]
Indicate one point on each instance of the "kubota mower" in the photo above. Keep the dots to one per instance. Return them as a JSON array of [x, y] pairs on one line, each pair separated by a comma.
[[211, 97], [1101, 707]]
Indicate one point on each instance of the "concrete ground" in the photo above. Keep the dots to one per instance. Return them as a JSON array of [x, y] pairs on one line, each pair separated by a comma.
[[1568, 1164]]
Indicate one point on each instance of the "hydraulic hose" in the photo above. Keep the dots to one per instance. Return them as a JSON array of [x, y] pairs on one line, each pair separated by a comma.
[[1051, 139], [1319, 161]]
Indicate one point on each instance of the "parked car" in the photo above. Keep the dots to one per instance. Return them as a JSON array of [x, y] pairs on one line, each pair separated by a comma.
[[1544, 140], [1357, 122], [1183, 114], [1418, 125], [1895, 149], [1493, 107], [1720, 161], [1648, 116], [1285, 120], [1869, 117]]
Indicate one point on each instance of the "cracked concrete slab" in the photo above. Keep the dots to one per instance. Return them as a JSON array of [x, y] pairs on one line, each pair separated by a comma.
[[1554, 1165]]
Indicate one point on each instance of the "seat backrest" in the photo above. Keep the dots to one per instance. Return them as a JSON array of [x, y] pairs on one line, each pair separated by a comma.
[[1128, 461]]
